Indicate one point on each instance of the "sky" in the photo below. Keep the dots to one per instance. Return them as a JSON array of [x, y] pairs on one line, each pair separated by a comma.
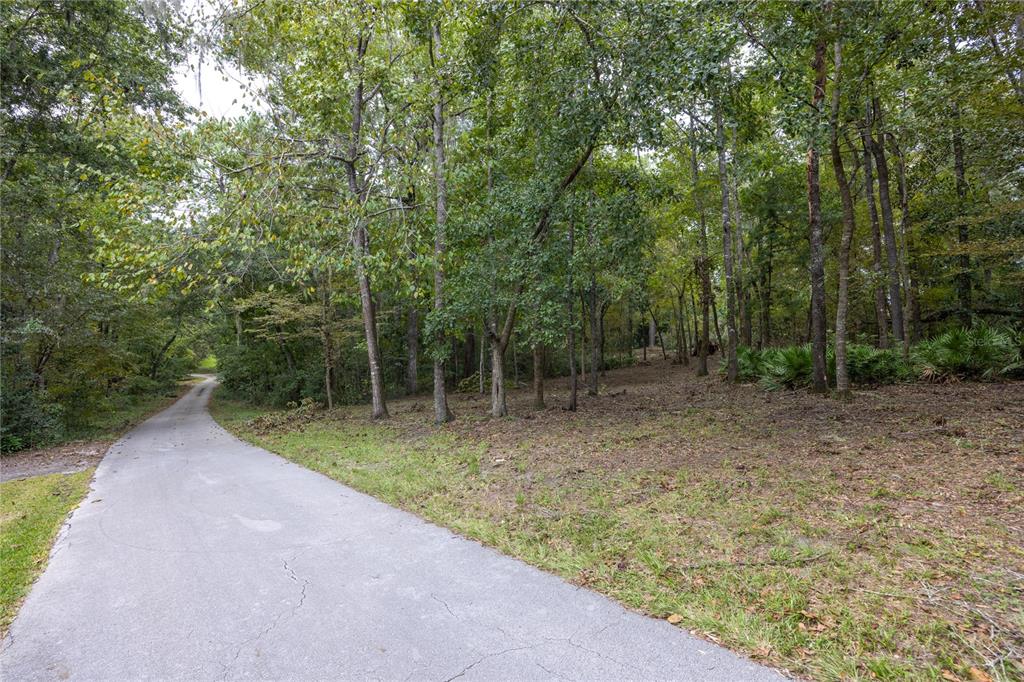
[[220, 95]]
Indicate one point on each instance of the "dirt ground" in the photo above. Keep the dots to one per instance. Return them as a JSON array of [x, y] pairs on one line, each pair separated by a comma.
[[64, 459]]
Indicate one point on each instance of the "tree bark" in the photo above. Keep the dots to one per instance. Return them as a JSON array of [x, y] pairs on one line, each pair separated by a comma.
[[742, 288], [819, 380], [718, 328], [963, 278], [326, 322], [702, 263], [888, 232], [696, 309], [732, 369], [683, 330], [911, 329], [538, 377], [595, 350], [499, 408], [846, 198], [881, 318], [412, 343], [571, 305], [441, 412]]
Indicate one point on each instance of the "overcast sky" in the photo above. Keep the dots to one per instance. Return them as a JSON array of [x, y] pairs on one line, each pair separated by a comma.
[[205, 88]]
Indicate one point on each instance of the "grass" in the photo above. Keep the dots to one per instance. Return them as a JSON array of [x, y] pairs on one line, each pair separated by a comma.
[[31, 512], [862, 541]]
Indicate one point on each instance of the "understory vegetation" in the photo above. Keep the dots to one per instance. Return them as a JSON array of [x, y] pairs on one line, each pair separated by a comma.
[[876, 540], [32, 510], [981, 353]]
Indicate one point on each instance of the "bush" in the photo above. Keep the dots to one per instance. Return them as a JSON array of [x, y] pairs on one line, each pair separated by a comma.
[[983, 352], [749, 362], [29, 419], [873, 366], [788, 367]]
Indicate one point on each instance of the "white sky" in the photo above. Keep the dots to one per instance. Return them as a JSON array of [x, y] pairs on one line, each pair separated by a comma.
[[203, 86]]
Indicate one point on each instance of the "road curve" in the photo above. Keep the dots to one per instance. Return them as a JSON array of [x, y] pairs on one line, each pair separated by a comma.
[[196, 556]]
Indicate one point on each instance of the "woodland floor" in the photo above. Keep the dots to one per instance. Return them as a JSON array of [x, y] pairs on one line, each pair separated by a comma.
[[881, 538]]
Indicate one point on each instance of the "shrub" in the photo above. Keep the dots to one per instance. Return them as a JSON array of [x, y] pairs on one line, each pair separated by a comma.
[[788, 367], [749, 362], [983, 352], [30, 419], [874, 366]]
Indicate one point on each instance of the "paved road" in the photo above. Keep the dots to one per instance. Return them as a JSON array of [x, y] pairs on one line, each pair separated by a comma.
[[199, 557]]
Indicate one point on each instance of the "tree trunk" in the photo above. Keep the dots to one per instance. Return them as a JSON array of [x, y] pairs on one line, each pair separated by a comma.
[[876, 240], [819, 380], [696, 313], [595, 350], [480, 372], [846, 198], [742, 270], [538, 377], [499, 408], [718, 328], [963, 278], [326, 322], [158, 358], [412, 343], [732, 369], [657, 331], [380, 409], [702, 263], [468, 353], [892, 255], [360, 238], [911, 328], [571, 305], [441, 412], [683, 331], [766, 294]]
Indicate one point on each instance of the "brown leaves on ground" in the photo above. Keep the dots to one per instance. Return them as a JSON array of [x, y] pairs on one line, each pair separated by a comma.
[[67, 458]]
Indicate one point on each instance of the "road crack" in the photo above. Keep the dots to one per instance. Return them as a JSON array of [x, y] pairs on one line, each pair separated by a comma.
[[304, 584]]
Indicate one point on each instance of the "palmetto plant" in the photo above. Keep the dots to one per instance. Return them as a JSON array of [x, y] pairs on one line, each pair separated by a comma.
[[983, 352]]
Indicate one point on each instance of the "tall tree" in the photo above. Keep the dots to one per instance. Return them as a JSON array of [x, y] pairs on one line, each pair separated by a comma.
[[441, 412], [819, 381]]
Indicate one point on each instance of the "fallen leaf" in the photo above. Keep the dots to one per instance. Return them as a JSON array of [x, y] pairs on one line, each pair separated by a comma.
[[950, 676], [979, 675]]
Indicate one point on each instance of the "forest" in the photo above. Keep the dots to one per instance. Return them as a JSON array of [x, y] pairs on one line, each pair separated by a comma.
[[822, 194], [502, 203]]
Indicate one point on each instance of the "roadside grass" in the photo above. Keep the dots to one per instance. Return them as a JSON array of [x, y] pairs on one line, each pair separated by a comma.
[[833, 552], [32, 511]]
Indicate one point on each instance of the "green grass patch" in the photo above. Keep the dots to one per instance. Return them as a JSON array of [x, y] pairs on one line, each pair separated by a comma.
[[31, 512]]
